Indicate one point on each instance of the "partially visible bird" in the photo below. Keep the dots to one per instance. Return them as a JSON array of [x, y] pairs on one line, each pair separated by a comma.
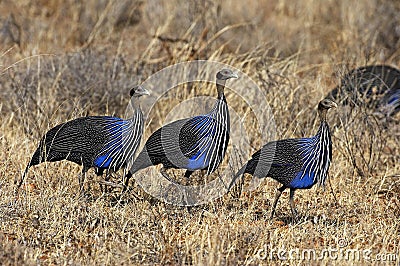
[[103, 142], [389, 105], [295, 163], [195, 143], [374, 86]]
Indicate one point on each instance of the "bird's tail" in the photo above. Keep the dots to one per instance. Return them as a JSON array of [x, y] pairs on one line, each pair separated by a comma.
[[238, 174], [19, 182], [128, 177], [141, 162], [34, 161]]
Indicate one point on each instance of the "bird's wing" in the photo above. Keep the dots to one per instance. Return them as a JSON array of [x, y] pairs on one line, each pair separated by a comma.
[[275, 156], [184, 139], [165, 139], [195, 136], [79, 135]]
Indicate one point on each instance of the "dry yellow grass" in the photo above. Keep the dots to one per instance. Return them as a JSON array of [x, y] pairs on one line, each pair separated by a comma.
[[64, 59]]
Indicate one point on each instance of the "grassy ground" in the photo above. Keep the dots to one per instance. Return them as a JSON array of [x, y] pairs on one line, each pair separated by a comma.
[[65, 59]]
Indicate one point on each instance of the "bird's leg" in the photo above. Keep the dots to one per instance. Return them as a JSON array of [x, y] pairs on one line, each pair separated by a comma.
[[126, 182], [291, 201], [82, 180], [188, 173], [277, 196], [99, 172], [107, 178], [164, 173]]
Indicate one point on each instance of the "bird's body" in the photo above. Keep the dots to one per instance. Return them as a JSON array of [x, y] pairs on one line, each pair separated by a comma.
[[376, 87], [295, 163], [191, 143], [389, 105], [103, 142], [196, 143], [93, 141]]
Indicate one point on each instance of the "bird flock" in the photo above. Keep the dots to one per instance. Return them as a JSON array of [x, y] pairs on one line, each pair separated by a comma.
[[109, 143]]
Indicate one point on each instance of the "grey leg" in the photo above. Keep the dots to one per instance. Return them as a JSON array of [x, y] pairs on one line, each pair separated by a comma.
[[107, 178], [164, 173], [126, 182], [188, 173], [277, 196], [82, 181], [291, 201]]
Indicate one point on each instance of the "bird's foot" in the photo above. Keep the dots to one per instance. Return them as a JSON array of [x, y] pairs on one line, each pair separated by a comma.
[[295, 215], [111, 184], [16, 192], [130, 191], [272, 214], [164, 173], [85, 196]]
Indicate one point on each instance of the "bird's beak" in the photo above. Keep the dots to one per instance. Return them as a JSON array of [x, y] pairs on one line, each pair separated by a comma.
[[145, 92], [234, 75], [334, 105], [142, 91]]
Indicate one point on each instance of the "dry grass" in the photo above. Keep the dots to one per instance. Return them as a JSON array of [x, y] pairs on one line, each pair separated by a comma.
[[61, 60]]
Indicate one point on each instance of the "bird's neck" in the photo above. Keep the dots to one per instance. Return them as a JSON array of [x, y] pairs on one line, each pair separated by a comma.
[[323, 128], [322, 115], [135, 103], [323, 131], [220, 110], [322, 150], [221, 100], [220, 89]]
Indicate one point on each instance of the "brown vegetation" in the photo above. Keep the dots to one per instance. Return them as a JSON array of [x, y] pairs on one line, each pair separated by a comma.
[[65, 59]]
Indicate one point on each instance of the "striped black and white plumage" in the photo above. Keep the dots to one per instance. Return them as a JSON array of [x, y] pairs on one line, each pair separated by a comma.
[[196, 143], [295, 163], [375, 87], [103, 142]]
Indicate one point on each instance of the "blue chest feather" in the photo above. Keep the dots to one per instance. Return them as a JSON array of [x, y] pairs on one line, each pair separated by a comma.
[[198, 161], [102, 161], [305, 178], [302, 181], [204, 127], [114, 128], [394, 99]]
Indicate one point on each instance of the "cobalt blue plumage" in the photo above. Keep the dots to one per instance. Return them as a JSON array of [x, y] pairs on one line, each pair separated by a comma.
[[295, 163], [103, 142], [196, 143]]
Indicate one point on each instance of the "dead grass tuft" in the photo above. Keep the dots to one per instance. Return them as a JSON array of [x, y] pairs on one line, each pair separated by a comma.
[[65, 59]]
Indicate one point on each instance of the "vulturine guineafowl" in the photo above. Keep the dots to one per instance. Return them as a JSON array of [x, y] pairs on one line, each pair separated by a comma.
[[389, 105], [194, 143], [376, 87], [295, 163], [103, 142]]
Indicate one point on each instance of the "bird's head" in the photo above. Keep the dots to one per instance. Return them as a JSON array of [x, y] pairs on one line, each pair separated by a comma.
[[326, 104], [222, 76], [226, 74], [138, 91]]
